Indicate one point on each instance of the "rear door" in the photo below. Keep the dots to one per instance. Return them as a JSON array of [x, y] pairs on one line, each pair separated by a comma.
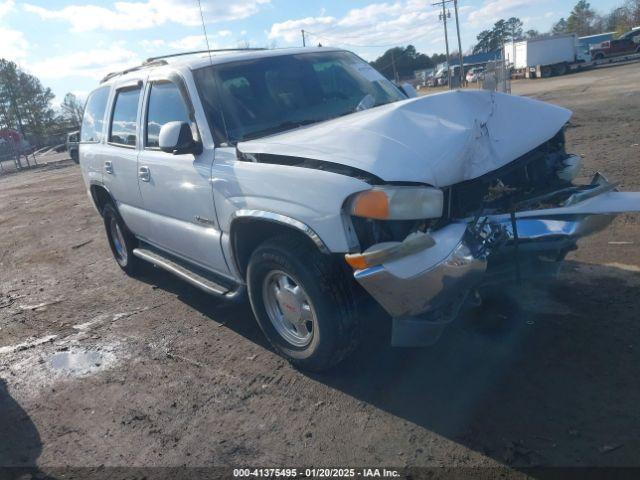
[[120, 159], [176, 189]]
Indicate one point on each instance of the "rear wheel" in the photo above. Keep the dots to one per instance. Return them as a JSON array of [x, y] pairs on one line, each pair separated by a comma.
[[598, 56], [560, 69], [121, 240], [303, 301]]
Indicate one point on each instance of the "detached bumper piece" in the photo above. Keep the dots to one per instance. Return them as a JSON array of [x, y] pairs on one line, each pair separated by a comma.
[[425, 290]]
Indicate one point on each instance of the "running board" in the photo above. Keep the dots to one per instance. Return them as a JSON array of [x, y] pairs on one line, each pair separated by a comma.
[[185, 272]]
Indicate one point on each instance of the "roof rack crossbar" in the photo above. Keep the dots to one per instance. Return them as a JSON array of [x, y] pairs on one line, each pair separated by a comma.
[[157, 61], [153, 59], [145, 64]]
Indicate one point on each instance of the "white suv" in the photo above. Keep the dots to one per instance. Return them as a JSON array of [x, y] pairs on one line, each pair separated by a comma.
[[307, 179]]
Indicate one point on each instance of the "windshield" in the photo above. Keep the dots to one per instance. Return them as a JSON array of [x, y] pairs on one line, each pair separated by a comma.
[[250, 99]]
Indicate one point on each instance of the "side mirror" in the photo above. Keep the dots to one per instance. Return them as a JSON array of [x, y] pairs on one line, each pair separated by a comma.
[[176, 138], [408, 90]]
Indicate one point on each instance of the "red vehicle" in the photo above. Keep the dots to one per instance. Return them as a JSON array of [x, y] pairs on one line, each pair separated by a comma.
[[626, 44]]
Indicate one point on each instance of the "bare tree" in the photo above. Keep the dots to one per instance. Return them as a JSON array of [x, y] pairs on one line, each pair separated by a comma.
[[72, 110]]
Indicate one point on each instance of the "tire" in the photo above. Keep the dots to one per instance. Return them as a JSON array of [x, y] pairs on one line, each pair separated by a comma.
[[560, 69], [74, 156], [121, 240], [320, 325], [598, 56]]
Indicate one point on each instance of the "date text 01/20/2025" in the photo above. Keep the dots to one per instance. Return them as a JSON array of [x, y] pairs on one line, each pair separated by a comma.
[[316, 472]]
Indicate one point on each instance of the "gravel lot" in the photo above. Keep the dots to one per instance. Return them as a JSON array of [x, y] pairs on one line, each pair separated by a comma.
[[100, 369]]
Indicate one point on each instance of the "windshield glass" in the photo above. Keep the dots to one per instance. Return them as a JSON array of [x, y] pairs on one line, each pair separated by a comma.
[[254, 98]]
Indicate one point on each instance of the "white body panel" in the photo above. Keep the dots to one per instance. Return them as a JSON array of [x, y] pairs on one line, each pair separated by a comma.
[[542, 51], [439, 139], [312, 197]]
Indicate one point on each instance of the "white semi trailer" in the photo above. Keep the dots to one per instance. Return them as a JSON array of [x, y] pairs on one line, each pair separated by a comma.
[[542, 57]]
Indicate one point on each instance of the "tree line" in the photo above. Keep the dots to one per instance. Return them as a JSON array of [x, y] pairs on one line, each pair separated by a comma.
[[25, 106], [582, 20]]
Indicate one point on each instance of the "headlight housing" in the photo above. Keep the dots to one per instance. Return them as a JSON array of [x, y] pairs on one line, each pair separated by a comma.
[[397, 203]]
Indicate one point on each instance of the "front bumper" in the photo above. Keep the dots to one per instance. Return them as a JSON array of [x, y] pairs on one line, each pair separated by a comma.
[[424, 291]]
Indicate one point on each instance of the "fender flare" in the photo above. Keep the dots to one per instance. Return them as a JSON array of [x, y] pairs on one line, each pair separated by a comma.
[[281, 219]]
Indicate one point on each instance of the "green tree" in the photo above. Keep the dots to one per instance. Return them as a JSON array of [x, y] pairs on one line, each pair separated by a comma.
[[513, 28], [72, 110], [25, 105], [403, 61], [559, 27], [502, 31], [582, 18]]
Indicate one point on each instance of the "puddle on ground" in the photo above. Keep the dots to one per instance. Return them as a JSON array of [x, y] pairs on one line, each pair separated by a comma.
[[77, 362]]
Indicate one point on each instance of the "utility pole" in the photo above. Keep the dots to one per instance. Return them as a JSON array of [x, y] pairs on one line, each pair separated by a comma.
[[395, 72], [304, 42], [455, 6], [443, 17]]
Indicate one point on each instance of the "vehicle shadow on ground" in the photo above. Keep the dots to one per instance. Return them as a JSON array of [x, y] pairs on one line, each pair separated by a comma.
[[20, 444], [539, 376]]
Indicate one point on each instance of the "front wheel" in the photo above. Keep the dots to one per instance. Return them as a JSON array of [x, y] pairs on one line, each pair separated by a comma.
[[303, 301]]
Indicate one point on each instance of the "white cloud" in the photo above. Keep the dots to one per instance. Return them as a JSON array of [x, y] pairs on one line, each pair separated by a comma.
[[5, 7], [225, 33], [138, 15], [13, 45], [95, 63], [397, 23], [492, 10], [191, 42], [152, 45]]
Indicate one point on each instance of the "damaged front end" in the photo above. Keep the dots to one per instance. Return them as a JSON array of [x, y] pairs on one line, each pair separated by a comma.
[[521, 232]]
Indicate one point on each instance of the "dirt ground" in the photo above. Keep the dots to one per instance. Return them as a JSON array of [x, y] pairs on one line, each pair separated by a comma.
[[98, 369]]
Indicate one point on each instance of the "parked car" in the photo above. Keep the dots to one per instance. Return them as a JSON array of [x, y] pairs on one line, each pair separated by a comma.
[[307, 180], [626, 44], [73, 140], [475, 74]]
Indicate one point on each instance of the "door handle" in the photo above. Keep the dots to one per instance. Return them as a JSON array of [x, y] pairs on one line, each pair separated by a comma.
[[144, 174], [108, 167]]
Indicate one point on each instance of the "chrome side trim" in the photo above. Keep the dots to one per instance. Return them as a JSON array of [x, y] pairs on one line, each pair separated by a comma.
[[282, 219]]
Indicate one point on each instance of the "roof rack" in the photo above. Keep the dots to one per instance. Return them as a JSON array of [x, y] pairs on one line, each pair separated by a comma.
[[153, 59], [146, 64], [157, 61]]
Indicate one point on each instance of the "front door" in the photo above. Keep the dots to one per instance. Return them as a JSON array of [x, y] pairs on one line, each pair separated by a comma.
[[176, 189]]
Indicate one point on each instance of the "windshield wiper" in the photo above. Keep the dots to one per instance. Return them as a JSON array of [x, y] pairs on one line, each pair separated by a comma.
[[282, 127]]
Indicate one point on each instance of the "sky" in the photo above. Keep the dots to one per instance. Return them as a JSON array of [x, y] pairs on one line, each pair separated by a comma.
[[71, 44]]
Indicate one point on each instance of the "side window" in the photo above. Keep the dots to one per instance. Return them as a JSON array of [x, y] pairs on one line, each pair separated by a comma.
[[93, 118], [165, 105], [123, 121]]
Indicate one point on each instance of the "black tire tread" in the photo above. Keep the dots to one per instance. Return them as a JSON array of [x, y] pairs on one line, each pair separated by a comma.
[[133, 263]]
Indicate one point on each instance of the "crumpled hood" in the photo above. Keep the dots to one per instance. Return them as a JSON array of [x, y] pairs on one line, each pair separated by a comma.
[[439, 139]]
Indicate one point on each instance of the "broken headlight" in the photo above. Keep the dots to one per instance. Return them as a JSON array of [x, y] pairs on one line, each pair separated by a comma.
[[397, 203]]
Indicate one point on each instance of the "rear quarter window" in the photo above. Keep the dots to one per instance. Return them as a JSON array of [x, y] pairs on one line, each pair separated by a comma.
[[93, 118]]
